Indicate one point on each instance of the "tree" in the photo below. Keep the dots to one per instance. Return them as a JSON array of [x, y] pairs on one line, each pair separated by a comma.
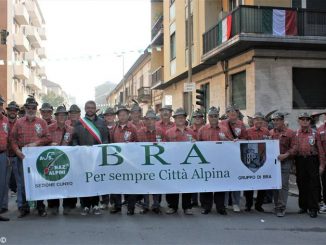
[[52, 98]]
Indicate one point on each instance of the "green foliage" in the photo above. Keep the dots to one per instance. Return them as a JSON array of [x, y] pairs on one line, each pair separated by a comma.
[[52, 98]]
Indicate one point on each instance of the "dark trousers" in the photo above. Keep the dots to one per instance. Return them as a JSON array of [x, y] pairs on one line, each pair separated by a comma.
[[131, 200], [40, 204], [250, 198], [89, 201], [105, 199], [173, 201], [207, 198], [12, 182], [194, 198], [54, 203], [116, 200], [69, 202], [307, 172]]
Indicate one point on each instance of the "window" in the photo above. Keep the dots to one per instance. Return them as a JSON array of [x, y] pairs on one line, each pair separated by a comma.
[[172, 10], [121, 98], [316, 4], [141, 81], [296, 3], [126, 93], [309, 86], [238, 90], [232, 4], [172, 46]]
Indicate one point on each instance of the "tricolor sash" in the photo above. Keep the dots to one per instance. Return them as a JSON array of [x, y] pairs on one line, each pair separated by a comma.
[[91, 128]]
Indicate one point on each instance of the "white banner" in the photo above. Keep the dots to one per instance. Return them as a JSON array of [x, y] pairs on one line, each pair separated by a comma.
[[149, 168]]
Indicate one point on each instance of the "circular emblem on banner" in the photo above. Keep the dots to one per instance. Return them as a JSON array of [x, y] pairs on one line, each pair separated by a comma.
[[53, 164]]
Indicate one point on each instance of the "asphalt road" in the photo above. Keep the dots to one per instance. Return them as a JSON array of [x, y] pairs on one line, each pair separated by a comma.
[[235, 228]]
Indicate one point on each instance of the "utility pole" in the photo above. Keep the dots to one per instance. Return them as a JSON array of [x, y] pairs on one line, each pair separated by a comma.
[[123, 77], [189, 94]]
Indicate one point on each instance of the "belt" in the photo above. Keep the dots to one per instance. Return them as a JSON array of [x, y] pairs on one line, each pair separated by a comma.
[[3, 151]]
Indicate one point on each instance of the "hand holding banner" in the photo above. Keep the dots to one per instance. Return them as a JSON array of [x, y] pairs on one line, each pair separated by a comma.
[[142, 168]]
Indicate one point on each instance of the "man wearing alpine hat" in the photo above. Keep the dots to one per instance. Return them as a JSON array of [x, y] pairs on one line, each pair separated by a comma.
[[213, 132], [179, 133], [310, 163], [61, 135], [286, 137], [29, 131], [165, 122]]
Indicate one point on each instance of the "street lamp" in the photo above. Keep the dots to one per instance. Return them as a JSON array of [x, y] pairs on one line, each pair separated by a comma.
[[123, 74]]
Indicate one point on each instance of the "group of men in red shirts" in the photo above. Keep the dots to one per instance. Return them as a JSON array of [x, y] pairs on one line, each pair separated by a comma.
[[304, 147]]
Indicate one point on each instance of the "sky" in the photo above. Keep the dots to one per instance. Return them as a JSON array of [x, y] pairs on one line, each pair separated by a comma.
[[86, 37]]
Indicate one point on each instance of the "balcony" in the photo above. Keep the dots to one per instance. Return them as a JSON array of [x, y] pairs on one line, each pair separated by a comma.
[[21, 14], [144, 94], [157, 77], [33, 11], [251, 28], [41, 53], [41, 71], [34, 82], [33, 36], [21, 72], [42, 33], [21, 43], [32, 58], [157, 32]]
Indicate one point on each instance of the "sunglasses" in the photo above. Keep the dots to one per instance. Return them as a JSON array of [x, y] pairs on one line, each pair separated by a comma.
[[213, 116]]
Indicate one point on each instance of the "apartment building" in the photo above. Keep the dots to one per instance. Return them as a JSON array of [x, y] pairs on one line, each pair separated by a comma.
[[135, 85], [260, 54], [55, 88], [21, 66]]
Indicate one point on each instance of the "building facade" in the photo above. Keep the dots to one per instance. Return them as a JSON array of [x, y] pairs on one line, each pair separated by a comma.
[[262, 55], [55, 88], [21, 67], [135, 85], [101, 92]]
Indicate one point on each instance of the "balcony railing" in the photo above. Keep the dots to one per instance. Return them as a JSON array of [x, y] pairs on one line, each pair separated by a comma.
[[144, 94], [21, 71], [157, 32], [157, 77], [33, 36], [258, 20], [21, 14], [21, 43], [34, 82]]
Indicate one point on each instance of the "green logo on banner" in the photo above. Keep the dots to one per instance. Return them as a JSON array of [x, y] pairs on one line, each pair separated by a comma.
[[53, 164]]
